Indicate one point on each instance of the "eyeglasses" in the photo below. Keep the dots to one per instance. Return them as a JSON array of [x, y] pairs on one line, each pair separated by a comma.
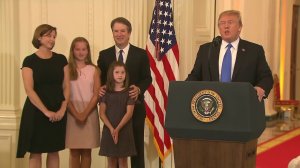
[[224, 23]]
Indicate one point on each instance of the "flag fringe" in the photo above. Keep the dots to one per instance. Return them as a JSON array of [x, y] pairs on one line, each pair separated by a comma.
[[160, 154]]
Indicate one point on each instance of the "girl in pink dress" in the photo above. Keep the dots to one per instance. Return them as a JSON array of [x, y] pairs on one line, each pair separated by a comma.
[[83, 130], [116, 109]]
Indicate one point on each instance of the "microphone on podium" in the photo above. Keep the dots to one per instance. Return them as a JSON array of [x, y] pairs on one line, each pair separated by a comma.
[[217, 41]]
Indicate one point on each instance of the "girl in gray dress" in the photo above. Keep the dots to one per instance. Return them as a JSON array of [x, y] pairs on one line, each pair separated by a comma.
[[116, 109]]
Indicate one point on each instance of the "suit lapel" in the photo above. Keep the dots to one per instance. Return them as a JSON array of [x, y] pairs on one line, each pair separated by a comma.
[[214, 63], [239, 58], [130, 57], [112, 55]]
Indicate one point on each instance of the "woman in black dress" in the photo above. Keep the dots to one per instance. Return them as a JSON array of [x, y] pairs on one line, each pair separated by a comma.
[[46, 81]]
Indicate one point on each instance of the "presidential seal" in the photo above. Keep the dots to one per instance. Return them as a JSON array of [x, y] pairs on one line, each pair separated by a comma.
[[206, 105]]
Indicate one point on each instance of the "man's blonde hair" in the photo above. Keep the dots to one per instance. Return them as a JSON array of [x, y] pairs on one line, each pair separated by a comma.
[[232, 12]]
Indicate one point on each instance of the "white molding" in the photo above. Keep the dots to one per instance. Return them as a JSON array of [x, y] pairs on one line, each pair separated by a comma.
[[9, 122], [6, 150]]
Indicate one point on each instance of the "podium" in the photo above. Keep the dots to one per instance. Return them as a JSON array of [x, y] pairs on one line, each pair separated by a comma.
[[228, 140]]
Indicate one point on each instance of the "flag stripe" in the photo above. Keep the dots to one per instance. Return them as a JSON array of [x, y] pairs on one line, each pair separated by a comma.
[[157, 75], [176, 50], [151, 117], [158, 67], [168, 69], [158, 109]]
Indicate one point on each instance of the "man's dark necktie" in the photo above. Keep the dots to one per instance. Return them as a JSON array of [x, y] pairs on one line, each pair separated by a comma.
[[226, 65], [120, 58]]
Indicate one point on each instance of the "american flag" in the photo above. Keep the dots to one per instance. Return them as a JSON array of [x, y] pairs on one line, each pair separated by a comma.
[[163, 54]]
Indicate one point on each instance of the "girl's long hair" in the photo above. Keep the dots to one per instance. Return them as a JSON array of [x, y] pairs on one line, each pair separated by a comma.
[[72, 59], [110, 82]]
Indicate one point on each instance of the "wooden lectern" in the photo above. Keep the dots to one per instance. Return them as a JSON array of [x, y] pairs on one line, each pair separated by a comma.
[[227, 142]]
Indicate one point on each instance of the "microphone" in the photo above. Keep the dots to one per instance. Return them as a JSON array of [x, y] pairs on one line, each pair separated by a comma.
[[217, 41]]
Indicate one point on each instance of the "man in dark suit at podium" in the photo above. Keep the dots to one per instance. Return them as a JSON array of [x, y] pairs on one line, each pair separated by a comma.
[[231, 59], [137, 64]]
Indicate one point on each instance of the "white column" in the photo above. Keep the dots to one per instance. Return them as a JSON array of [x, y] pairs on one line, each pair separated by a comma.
[[9, 85], [9, 63]]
